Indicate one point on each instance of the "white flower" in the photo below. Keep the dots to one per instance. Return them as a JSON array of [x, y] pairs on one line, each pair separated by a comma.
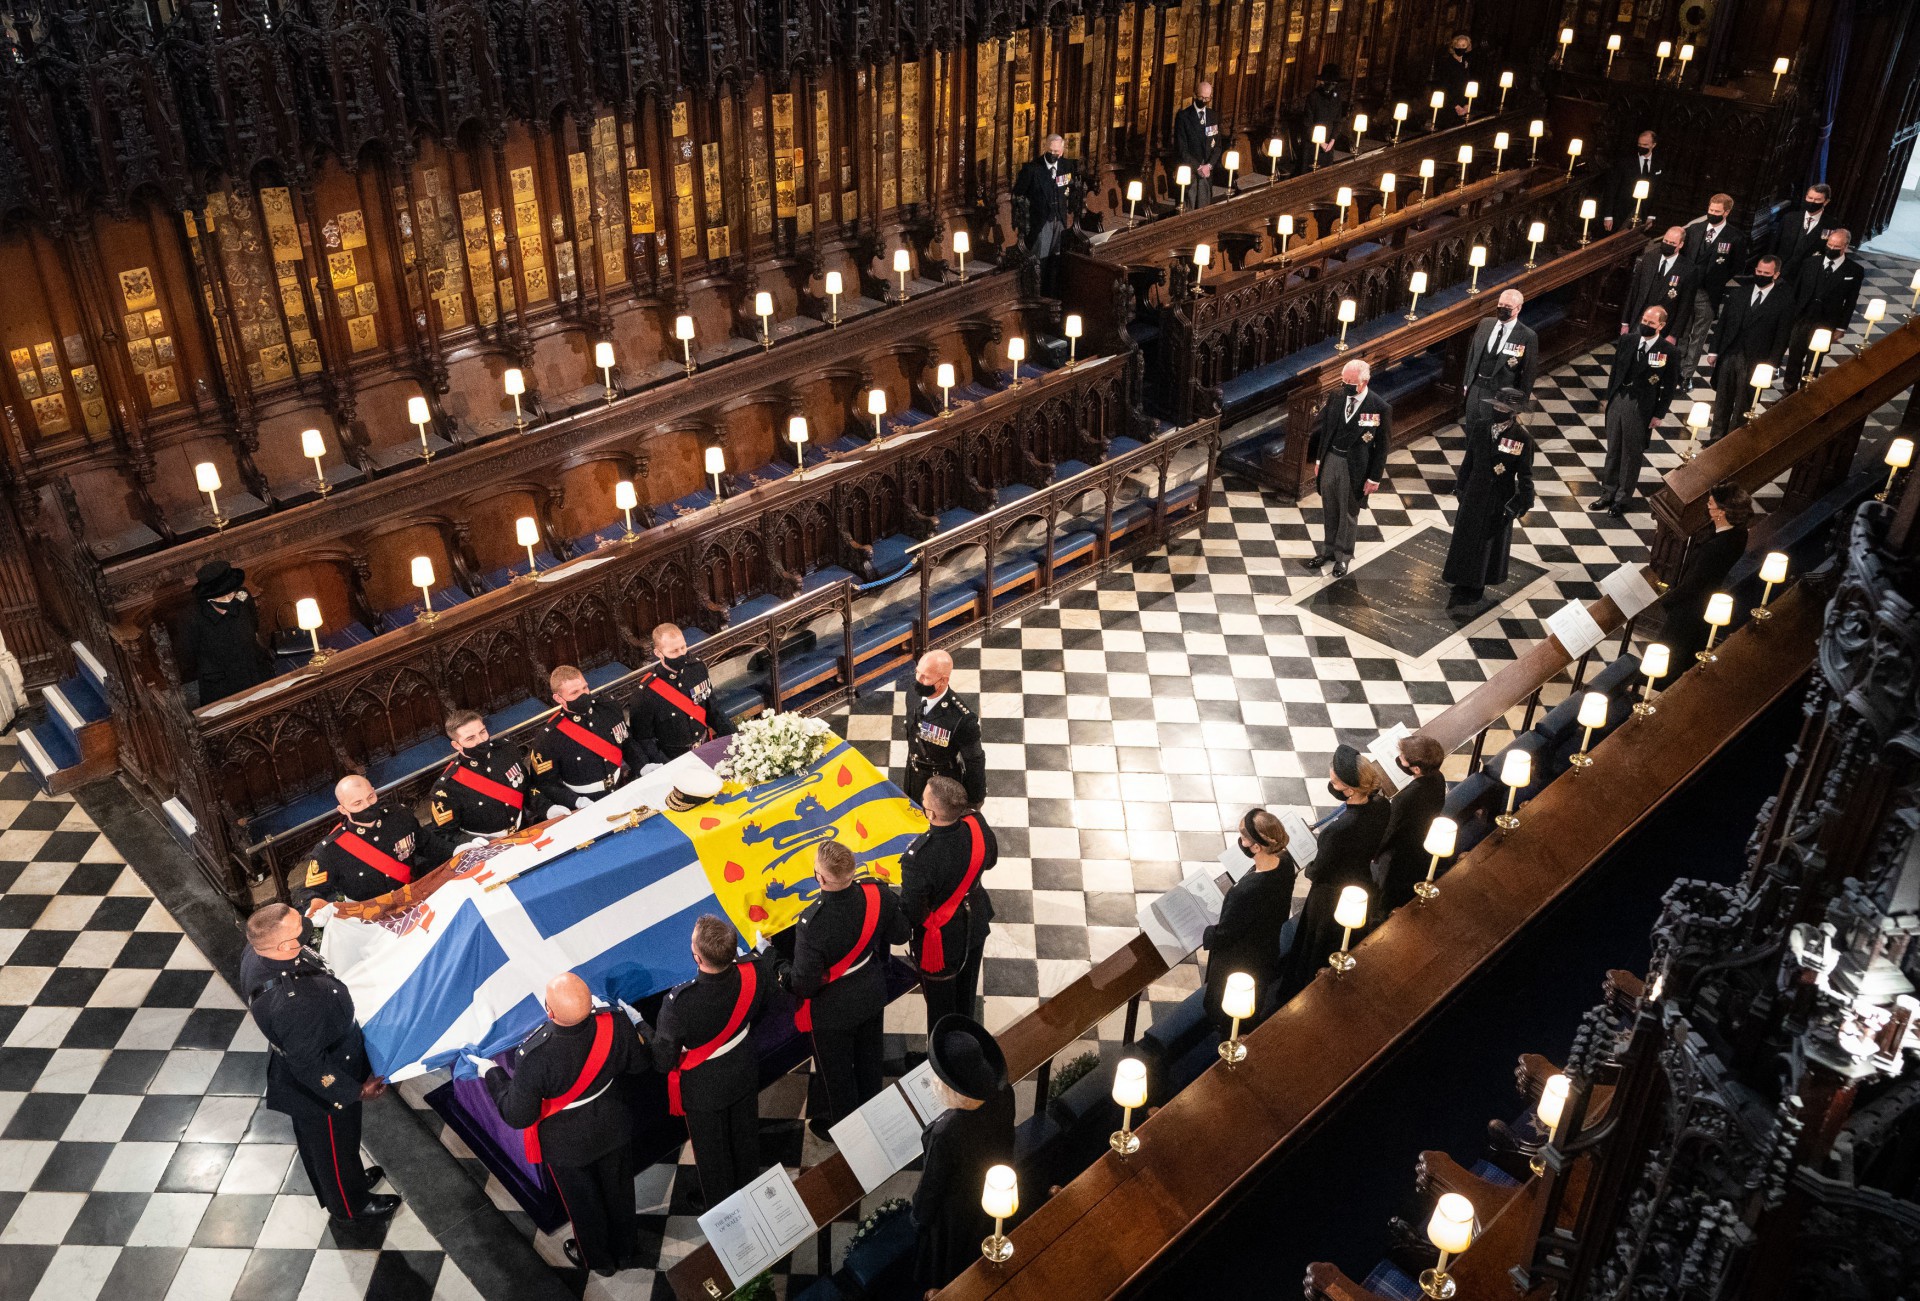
[[769, 748]]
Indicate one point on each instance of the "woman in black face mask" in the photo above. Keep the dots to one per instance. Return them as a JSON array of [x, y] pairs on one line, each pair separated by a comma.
[[1343, 856], [223, 633], [1247, 936]]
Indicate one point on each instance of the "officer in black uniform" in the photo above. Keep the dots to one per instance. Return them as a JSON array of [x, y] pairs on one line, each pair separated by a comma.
[[317, 1069], [704, 1046], [481, 794], [578, 756], [943, 734], [843, 981], [673, 710], [375, 849], [943, 893], [562, 1091]]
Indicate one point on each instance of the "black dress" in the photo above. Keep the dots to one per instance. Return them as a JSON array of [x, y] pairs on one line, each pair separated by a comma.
[[1684, 607], [1344, 858], [948, 1223], [1498, 491], [225, 642], [1403, 856], [1247, 938]]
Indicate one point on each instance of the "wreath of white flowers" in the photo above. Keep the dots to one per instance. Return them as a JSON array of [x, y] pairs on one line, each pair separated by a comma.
[[776, 746]]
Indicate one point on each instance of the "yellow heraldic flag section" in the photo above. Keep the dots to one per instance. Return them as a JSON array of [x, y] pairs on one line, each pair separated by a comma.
[[756, 844]]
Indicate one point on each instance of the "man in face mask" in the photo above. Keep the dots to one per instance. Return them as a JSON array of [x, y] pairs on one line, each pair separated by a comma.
[[373, 849], [1825, 296], [1455, 71], [943, 734], [1645, 369], [1197, 142], [1801, 230], [1752, 328], [673, 710], [222, 633], [1348, 461], [1637, 164], [1503, 353], [1664, 277], [1717, 251], [481, 795]]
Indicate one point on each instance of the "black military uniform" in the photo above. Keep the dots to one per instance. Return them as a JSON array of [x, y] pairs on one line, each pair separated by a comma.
[[705, 1036], [578, 755], [943, 881], [1639, 391], [1501, 355], [585, 1146], [672, 712], [370, 854], [845, 984], [316, 1065], [943, 740], [483, 793]]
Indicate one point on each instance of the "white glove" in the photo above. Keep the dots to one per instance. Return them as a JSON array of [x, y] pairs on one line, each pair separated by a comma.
[[483, 1064], [322, 915], [556, 811], [582, 802], [652, 768], [633, 1013]]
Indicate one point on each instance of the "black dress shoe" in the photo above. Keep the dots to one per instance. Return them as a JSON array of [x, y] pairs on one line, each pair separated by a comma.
[[374, 1175], [1618, 510], [572, 1248], [378, 1206], [1316, 560], [1339, 569], [1601, 504]]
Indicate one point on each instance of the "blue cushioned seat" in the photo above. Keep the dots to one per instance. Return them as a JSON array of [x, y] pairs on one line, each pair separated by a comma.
[[1015, 572], [880, 647], [883, 1259], [1067, 469], [1121, 445], [494, 579], [752, 607], [803, 673], [742, 700], [1171, 1036], [433, 752], [517, 713], [1184, 498], [687, 505], [1012, 492], [944, 607], [1072, 550], [1410, 376], [953, 519], [890, 553], [826, 576], [444, 598], [1127, 518], [272, 822], [612, 671], [1470, 803]]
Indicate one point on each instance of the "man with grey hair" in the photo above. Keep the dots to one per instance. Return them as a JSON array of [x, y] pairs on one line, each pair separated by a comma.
[[1197, 143], [1348, 460], [1502, 354], [1050, 185]]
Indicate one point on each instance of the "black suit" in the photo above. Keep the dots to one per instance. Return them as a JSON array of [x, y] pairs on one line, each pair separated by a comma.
[[1639, 391], [1718, 254], [1823, 298], [587, 1146], [932, 871], [1452, 76], [847, 1012], [1626, 170], [1198, 142], [1661, 281], [1351, 450], [1403, 858], [1793, 243], [1514, 364], [1048, 184], [721, 1095], [1684, 605], [315, 1069], [1745, 335]]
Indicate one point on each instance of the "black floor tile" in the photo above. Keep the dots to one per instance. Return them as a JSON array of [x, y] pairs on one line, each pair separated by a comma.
[[148, 949], [196, 1168], [130, 1070], [70, 987], [72, 1168], [98, 1027], [144, 1274], [43, 1115], [177, 988], [273, 1274], [106, 1220], [233, 1220]]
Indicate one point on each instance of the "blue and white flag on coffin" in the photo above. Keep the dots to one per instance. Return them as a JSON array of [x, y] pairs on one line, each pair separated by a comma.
[[467, 970]]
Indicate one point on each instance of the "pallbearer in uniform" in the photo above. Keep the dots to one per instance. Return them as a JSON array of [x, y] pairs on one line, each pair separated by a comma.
[[673, 709], [482, 794], [577, 756], [943, 734], [1348, 460], [563, 1096], [960, 1147], [704, 1046], [943, 892], [839, 952], [1497, 493], [317, 1068], [374, 849], [1503, 354]]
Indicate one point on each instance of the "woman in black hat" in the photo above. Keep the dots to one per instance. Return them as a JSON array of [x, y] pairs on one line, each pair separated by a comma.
[[960, 1147], [1497, 492], [1247, 936], [223, 633], [1343, 856]]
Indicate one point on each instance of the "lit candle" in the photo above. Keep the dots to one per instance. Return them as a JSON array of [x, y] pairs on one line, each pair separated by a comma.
[[313, 447], [1588, 209], [1237, 1002], [1762, 380], [1551, 1109], [1000, 1198], [1472, 93], [306, 613], [716, 466], [1698, 418], [962, 245], [834, 287], [1399, 120], [1574, 146], [902, 263], [1231, 161], [515, 384], [762, 308], [1426, 175], [1516, 773], [1417, 284], [422, 576], [683, 331], [1780, 67], [603, 358], [1016, 353], [1348, 310], [1388, 183], [1134, 191], [206, 477], [1662, 53], [1899, 457], [1876, 313], [1641, 189], [1476, 258], [1183, 177], [1343, 199], [626, 499], [1350, 913], [1719, 615], [1274, 149], [527, 533], [797, 435], [1566, 39], [1500, 142], [1441, 840], [1283, 227], [944, 378], [877, 408], [1438, 102], [1072, 328], [1535, 129], [1130, 1092], [1593, 713], [1613, 48], [1202, 258], [1535, 233], [1773, 572], [1818, 345], [419, 415], [1686, 57], [1654, 664], [1319, 142], [1506, 84]]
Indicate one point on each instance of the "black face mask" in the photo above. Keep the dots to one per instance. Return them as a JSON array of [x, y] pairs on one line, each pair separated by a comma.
[[675, 663], [923, 688], [1245, 848], [306, 932], [1403, 765], [1351, 390], [1762, 281], [1649, 331], [1504, 312], [1337, 793], [1672, 250], [1646, 153], [1462, 55], [1814, 205]]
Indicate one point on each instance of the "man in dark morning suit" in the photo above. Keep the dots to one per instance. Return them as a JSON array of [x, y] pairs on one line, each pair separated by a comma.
[[1348, 460], [943, 893], [317, 1068], [1704, 572], [1197, 142], [703, 1044], [1718, 251], [1825, 294], [1644, 162], [1423, 794], [673, 709], [839, 955], [1645, 369], [1801, 231], [1666, 277], [481, 794], [1752, 328], [564, 1095], [1049, 184], [374, 849], [943, 733], [1502, 354]]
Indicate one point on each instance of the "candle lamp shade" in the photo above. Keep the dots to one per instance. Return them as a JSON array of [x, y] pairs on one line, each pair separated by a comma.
[[1400, 112], [1664, 50], [1360, 125], [797, 430], [1000, 1198], [1686, 54], [526, 532], [1656, 660], [876, 402], [1439, 99], [902, 261], [206, 476], [417, 411], [1552, 1106], [1506, 81], [1613, 43], [1821, 341], [1720, 609], [683, 328], [1593, 709], [602, 357], [1536, 128], [1273, 152], [306, 613], [1237, 999], [1780, 67], [762, 305], [962, 242], [1072, 326], [1465, 155], [1477, 256], [1699, 416], [1343, 197], [1283, 224], [1641, 189], [1451, 1228], [1516, 769], [1501, 141], [1351, 910], [1388, 183], [624, 497], [835, 285], [515, 382], [1349, 309], [1202, 255], [716, 459], [312, 445], [1536, 232], [1016, 349], [1319, 134], [1130, 1078], [1589, 209], [1231, 160], [1763, 376], [1426, 169], [1443, 835], [1183, 176], [1900, 453], [1773, 569], [422, 571]]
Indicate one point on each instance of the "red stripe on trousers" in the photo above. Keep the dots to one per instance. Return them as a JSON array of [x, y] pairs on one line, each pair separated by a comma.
[[333, 1146]]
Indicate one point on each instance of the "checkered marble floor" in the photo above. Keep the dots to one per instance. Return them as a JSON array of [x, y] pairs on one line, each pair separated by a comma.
[[1126, 726]]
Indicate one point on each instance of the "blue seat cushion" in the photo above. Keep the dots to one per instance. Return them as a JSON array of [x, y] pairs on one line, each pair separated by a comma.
[[738, 701], [517, 713], [752, 607], [1070, 547], [953, 519], [1121, 445], [881, 635], [943, 605], [289, 815], [1184, 496], [1012, 492], [430, 753], [1015, 571], [804, 672], [612, 671], [494, 579], [1067, 469], [824, 577], [771, 472], [687, 505], [1131, 516], [444, 598], [890, 553]]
